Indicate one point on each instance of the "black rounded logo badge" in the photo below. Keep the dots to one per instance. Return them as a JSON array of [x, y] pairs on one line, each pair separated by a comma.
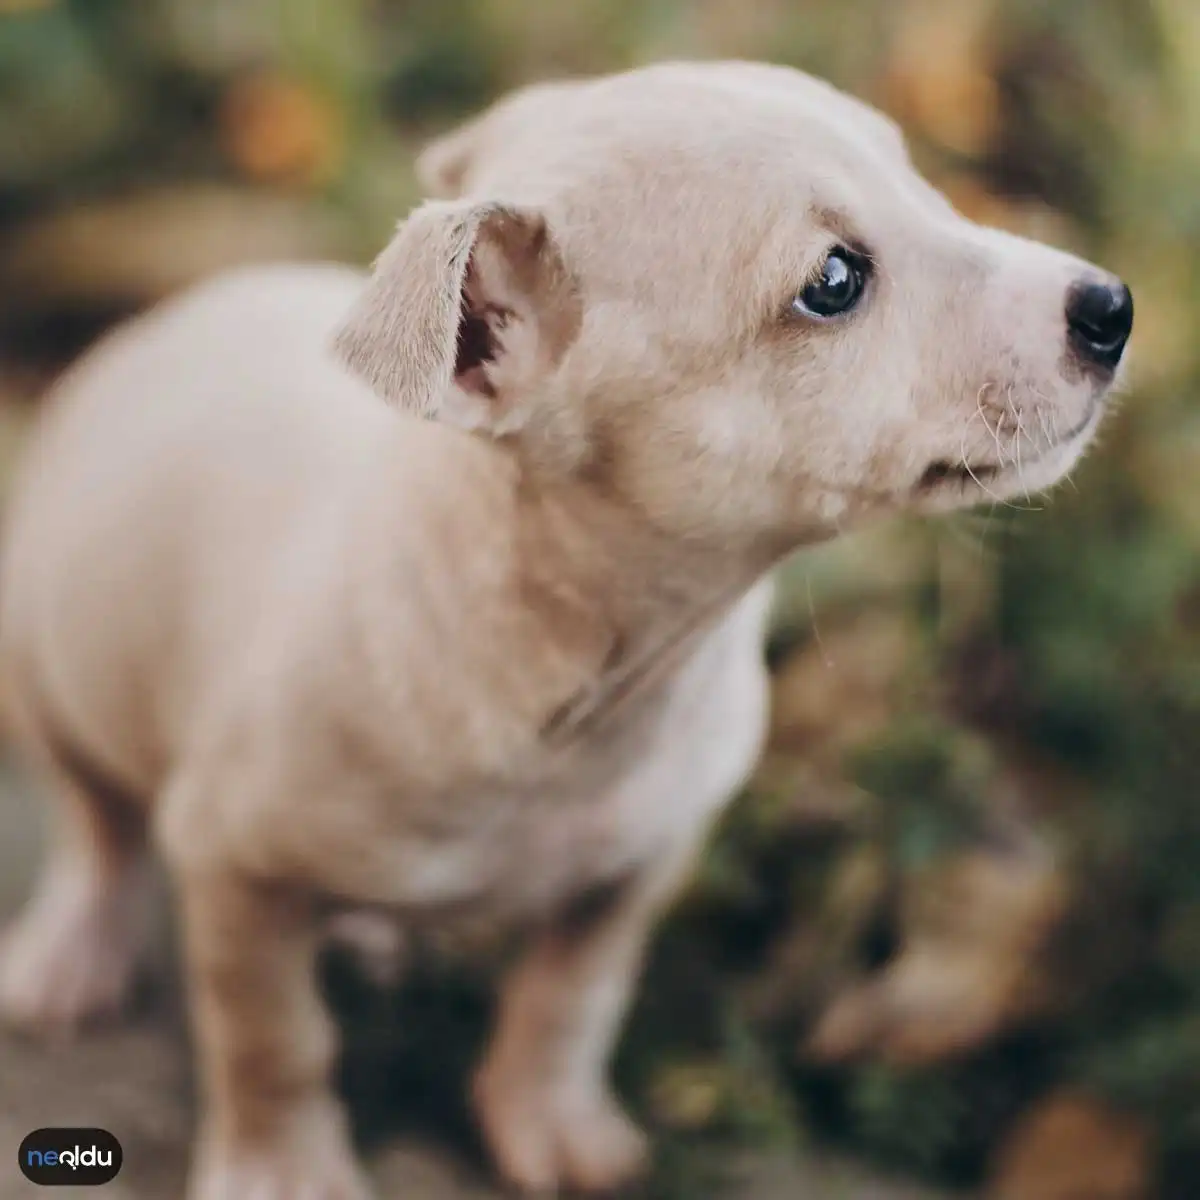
[[70, 1157]]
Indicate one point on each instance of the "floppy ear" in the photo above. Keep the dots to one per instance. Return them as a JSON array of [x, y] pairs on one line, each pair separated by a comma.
[[464, 310]]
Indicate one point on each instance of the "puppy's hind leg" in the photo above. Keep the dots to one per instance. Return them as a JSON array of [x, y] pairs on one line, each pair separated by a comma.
[[70, 956]]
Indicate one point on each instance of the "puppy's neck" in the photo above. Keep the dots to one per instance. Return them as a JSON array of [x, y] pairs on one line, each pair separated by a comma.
[[597, 574]]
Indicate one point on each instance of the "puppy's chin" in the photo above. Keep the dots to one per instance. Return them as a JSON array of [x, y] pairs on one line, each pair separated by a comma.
[[947, 486]]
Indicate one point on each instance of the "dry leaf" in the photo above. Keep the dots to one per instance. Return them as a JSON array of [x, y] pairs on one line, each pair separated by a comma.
[[1073, 1147], [277, 129]]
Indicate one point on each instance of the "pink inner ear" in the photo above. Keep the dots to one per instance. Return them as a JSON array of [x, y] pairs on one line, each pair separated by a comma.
[[476, 346], [479, 324]]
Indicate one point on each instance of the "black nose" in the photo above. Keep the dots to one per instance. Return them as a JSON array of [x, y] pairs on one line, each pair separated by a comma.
[[1099, 320]]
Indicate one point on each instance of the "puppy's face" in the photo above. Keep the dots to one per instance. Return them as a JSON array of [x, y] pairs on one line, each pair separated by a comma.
[[722, 292]]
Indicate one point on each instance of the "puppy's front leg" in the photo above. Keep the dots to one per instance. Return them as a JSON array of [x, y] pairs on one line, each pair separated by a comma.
[[272, 1128], [542, 1094]]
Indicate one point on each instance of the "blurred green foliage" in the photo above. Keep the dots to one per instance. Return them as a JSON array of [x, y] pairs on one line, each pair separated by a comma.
[[1067, 639]]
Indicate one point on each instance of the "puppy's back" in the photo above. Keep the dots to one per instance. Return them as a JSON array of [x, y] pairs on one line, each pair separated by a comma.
[[174, 461]]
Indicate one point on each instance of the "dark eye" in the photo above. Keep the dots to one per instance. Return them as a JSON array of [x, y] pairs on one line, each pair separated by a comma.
[[836, 289]]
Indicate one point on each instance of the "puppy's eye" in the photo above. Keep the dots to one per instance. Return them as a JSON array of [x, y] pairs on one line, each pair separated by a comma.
[[836, 289]]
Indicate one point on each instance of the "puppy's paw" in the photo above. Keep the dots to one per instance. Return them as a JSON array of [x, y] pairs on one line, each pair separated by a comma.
[[546, 1138], [268, 1179], [65, 961], [314, 1168]]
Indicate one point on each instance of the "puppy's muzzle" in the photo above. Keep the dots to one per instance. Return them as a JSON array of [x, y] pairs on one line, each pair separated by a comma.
[[1099, 322]]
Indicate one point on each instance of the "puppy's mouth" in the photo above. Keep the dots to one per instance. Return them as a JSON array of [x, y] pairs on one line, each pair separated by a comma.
[[943, 471]]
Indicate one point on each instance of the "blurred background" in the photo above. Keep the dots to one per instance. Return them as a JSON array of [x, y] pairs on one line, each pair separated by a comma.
[[952, 933]]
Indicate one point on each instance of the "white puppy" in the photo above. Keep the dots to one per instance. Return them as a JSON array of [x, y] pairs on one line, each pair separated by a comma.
[[493, 648]]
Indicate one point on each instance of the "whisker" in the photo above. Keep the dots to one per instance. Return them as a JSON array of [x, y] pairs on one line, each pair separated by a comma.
[[995, 433], [812, 613], [1041, 416], [962, 449], [1018, 437]]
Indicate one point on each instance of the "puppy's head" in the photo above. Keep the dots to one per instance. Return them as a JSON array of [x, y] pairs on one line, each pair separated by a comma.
[[722, 292]]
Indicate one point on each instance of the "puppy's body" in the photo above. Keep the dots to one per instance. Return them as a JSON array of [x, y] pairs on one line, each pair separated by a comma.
[[495, 658], [346, 648], [373, 601]]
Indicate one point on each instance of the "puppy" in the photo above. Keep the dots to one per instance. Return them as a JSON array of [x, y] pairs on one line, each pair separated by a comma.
[[442, 591]]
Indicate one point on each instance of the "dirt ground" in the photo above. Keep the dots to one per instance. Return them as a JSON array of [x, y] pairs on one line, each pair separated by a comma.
[[134, 1081]]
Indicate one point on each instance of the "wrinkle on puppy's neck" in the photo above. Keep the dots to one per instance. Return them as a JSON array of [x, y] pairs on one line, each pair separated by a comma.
[[635, 601]]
